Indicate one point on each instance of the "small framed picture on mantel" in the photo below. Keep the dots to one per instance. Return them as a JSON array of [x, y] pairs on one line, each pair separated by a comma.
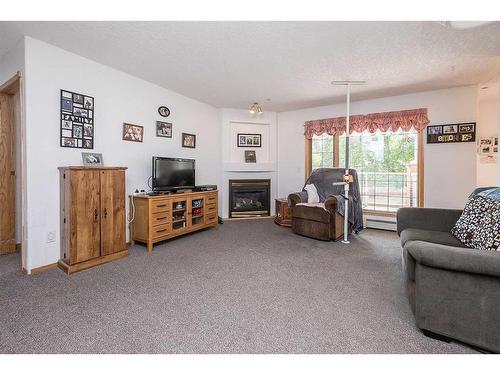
[[250, 156]]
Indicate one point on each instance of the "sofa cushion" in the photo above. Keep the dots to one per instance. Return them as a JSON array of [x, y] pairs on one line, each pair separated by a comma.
[[312, 212], [487, 235], [454, 258], [433, 236], [469, 222]]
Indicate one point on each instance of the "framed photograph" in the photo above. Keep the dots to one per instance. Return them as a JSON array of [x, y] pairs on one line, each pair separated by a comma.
[[250, 156], [163, 129], [450, 129], [66, 105], [88, 103], [466, 128], [78, 98], [88, 143], [88, 131], [451, 133], [78, 131], [485, 141], [132, 133], [164, 111], [92, 159], [188, 140], [76, 120], [249, 140], [435, 130], [68, 142]]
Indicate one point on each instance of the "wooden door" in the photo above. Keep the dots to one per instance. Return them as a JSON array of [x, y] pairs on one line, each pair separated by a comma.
[[112, 211], [85, 234], [7, 176]]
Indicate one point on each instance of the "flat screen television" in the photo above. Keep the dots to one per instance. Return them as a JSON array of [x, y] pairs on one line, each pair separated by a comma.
[[173, 174]]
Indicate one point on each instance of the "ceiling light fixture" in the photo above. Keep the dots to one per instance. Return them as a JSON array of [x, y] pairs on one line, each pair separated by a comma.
[[255, 108]]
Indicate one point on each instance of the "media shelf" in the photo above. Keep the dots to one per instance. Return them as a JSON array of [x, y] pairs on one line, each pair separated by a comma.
[[161, 217]]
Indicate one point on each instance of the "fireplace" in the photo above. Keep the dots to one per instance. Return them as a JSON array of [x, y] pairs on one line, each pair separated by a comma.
[[249, 198]]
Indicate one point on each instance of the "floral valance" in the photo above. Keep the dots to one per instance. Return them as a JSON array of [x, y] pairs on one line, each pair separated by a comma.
[[384, 121]]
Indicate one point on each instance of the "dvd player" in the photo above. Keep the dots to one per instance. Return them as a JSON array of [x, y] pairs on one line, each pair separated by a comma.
[[205, 188]]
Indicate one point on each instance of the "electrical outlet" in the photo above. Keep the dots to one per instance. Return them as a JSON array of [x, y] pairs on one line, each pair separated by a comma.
[[51, 236]]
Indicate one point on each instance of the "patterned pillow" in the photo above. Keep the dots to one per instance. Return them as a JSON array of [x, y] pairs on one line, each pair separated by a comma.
[[487, 235], [468, 224], [493, 193]]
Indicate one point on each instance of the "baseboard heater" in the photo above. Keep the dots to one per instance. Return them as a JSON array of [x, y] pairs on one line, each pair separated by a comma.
[[381, 223]]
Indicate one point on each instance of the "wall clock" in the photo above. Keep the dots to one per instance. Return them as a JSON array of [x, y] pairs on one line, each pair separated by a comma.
[[164, 111]]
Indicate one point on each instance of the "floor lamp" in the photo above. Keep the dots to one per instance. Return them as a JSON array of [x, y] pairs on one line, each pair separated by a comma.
[[347, 175]]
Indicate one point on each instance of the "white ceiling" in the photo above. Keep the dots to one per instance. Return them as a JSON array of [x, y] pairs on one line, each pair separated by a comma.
[[231, 64]]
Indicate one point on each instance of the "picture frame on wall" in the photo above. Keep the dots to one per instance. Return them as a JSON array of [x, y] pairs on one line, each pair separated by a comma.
[[188, 140], [250, 156], [76, 122], [92, 159], [451, 133], [132, 132], [163, 129], [249, 140]]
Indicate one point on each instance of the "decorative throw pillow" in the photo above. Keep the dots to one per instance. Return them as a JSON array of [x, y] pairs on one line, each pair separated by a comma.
[[468, 223], [487, 235], [312, 193]]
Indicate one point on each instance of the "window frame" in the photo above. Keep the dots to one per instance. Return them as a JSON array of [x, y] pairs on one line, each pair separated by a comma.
[[336, 159]]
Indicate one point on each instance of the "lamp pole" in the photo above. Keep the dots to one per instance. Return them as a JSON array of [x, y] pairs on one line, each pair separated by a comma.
[[347, 175]]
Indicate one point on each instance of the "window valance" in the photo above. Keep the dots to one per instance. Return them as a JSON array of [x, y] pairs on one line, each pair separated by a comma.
[[384, 121]]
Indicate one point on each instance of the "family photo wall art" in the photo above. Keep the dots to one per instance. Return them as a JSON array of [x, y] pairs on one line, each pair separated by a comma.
[[451, 133], [77, 120]]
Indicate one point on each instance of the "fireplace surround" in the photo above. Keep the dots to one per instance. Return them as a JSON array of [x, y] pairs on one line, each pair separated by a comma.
[[249, 198]]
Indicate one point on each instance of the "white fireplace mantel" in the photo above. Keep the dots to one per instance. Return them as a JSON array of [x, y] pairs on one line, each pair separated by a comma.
[[249, 167]]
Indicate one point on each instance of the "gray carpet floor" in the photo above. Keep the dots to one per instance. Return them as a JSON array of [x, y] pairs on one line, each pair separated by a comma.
[[249, 286]]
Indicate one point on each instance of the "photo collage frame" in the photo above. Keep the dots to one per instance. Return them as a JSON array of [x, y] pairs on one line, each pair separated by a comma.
[[77, 120], [452, 133]]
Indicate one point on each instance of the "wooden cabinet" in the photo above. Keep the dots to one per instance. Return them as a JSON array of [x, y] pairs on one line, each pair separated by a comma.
[[92, 216], [160, 217], [283, 215]]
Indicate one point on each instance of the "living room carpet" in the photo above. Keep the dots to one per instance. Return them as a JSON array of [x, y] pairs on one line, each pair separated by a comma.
[[249, 286]]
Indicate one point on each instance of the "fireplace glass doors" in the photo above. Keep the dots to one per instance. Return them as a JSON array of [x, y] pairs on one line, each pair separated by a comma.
[[249, 198]]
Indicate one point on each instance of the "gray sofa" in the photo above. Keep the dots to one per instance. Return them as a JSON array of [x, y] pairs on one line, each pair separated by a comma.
[[454, 291]]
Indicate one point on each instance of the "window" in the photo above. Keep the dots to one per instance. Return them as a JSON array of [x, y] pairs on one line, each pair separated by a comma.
[[322, 151], [388, 164]]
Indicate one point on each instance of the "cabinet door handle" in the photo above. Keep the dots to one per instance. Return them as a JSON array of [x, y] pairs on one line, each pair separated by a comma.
[[96, 215], [161, 205], [105, 213], [161, 230]]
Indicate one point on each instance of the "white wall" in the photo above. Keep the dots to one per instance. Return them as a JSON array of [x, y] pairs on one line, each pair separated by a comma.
[[119, 98], [233, 166], [488, 107], [450, 169]]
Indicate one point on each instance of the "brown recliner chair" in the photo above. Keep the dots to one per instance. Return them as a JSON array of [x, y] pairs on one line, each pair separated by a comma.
[[325, 220]]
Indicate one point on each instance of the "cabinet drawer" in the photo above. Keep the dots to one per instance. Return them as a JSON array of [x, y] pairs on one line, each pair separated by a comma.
[[211, 208], [158, 218], [160, 205], [211, 198], [160, 230], [211, 218]]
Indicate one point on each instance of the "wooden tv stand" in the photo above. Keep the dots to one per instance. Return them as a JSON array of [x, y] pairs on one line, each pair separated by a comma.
[[160, 217]]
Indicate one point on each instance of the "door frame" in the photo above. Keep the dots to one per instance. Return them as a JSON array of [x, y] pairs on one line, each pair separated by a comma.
[[13, 86]]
